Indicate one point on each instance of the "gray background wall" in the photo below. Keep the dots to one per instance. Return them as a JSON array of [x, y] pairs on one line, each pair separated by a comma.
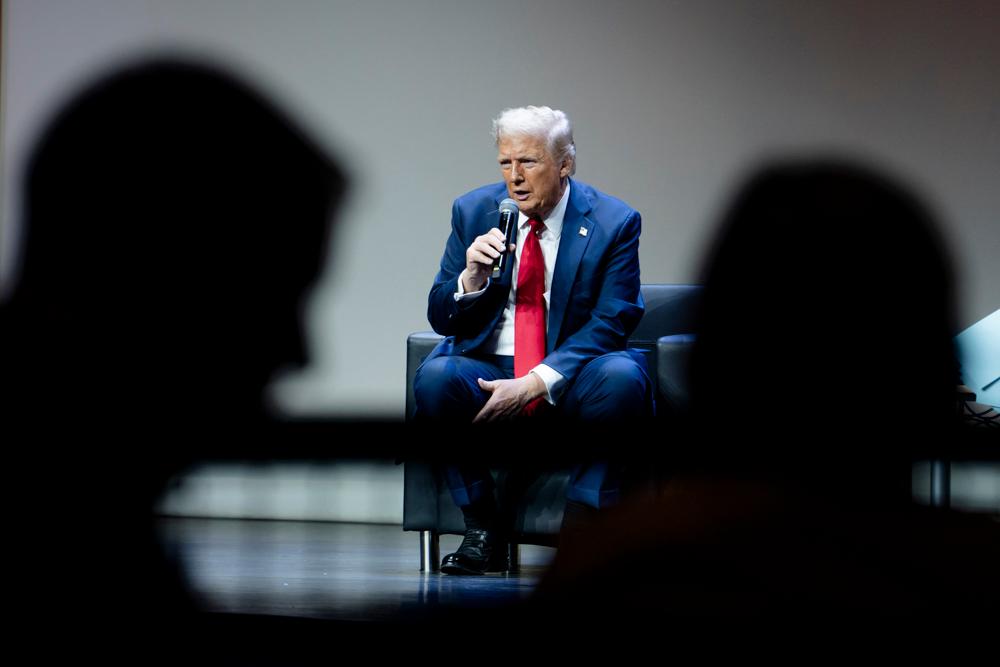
[[671, 100]]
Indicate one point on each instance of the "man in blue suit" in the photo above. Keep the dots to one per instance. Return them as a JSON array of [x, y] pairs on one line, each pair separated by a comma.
[[545, 338]]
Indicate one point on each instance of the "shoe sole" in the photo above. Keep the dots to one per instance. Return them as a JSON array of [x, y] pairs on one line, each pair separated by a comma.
[[453, 568]]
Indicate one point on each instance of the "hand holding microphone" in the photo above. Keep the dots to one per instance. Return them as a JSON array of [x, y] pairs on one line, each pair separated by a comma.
[[487, 256], [508, 225]]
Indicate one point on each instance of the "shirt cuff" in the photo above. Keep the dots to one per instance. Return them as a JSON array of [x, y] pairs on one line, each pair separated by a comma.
[[553, 380], [460, 293]]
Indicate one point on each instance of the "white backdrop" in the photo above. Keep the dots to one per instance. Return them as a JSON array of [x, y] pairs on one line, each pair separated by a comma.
[[672, 101]]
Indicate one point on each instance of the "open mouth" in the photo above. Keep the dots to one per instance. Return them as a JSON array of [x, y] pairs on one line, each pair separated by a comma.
[[521, 195]]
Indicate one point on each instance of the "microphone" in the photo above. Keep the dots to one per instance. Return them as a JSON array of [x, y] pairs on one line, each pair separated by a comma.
[[507, 225]]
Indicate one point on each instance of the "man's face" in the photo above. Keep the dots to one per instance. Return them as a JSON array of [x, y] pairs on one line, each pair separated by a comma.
[[535, 179]]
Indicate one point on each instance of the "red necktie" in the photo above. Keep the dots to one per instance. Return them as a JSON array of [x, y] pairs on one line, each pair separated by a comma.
[[529, 309]]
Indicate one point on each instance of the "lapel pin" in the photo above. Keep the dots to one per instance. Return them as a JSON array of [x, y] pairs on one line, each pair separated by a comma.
[[583, 231]]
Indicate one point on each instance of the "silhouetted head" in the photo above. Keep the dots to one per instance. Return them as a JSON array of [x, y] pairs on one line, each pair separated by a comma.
[[174, 219], [827, 311]]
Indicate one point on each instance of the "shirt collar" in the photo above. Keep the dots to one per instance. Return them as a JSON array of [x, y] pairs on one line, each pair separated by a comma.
[[554, 222]]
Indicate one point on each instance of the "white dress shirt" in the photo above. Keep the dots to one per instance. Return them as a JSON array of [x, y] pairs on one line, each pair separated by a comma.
[[501, 342]]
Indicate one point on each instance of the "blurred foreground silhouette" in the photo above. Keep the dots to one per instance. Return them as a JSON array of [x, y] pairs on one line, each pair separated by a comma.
[[174, 220], [823, 367]]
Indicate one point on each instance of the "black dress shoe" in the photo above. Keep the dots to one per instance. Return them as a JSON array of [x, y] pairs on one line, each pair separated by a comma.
[[481, 551]]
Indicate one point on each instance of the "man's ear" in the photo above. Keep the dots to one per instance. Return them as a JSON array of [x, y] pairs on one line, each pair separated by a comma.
[[565, 168]]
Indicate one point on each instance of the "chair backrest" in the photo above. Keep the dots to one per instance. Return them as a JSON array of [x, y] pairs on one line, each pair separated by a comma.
[[670, 310]]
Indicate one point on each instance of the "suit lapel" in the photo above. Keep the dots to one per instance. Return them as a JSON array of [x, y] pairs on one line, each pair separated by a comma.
[[572, 245]]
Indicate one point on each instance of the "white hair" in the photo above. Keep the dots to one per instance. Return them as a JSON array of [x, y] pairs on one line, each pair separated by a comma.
[[549, 124]]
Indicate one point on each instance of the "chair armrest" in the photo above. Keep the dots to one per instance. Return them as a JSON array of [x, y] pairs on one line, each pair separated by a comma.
[[418, 346], [673, 353]]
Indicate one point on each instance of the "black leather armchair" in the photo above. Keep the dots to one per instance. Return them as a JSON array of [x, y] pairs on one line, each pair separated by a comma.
[[664, 334]]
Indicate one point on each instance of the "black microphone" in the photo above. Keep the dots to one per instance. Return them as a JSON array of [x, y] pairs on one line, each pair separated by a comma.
[[507, 225]]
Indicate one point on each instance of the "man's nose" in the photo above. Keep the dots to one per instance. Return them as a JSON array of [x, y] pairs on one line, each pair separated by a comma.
[[515, 173]]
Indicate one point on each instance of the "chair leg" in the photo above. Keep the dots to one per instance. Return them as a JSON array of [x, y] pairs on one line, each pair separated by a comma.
[[940, 483], [430, 551], [514, 557]]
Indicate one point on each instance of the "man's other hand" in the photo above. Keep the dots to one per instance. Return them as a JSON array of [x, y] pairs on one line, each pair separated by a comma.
[[509, 397]]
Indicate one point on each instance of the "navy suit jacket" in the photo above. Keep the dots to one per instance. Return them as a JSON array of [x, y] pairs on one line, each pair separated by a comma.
[[594, 302]]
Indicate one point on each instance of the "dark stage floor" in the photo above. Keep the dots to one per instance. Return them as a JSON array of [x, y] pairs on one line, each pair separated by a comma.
[[336, 571]]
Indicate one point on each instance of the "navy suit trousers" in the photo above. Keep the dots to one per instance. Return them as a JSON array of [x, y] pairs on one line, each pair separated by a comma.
[[612, 387]]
